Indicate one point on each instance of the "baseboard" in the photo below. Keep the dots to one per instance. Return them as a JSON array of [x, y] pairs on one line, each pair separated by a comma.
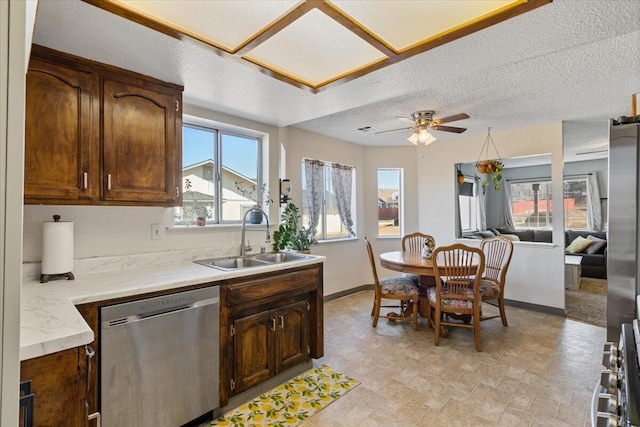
[[535, 307], [348, 292]]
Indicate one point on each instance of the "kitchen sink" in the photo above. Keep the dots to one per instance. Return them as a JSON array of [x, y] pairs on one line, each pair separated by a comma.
[[232, 263], [278, 257], [248, 261]]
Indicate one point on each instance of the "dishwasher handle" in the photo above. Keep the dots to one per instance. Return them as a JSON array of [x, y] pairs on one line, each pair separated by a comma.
[[152, 312]]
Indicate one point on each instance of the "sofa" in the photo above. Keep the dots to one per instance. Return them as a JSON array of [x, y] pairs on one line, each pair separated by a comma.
[[592, 265]]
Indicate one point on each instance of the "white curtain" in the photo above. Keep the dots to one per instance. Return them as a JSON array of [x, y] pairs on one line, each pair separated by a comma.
[[342, 180], [594, 210], [482, 213], [507, 214], [314, 177]]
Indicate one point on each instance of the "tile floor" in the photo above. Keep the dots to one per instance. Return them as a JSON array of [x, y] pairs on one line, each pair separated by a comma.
[[538, 371]]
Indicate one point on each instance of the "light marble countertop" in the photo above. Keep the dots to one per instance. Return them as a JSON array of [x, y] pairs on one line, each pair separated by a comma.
[[49, 321]]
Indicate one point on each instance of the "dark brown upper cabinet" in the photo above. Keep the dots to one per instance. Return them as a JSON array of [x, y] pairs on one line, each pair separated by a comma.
[[97, 134]]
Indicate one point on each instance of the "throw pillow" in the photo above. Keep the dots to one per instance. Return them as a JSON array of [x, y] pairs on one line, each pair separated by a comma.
[[578, 245], [487, 234], [511, 237], [597, 244]]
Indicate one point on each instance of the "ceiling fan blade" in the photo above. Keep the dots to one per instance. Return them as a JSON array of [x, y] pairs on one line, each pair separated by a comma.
[[453, 118], [393, 130], [448, 128], [405, 119]]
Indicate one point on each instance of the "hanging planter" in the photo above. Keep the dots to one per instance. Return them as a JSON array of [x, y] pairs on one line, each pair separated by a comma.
[[491, 167]]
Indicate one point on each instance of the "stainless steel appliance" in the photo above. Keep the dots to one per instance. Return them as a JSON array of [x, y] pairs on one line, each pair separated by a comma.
[[622, 247], [159, 361], [616, 400]]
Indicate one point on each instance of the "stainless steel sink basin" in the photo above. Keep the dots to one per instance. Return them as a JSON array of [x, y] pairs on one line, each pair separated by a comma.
[[248, 261], [232, 263], [278, 257]]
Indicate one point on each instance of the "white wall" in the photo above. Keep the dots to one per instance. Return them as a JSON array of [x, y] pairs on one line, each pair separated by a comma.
[[347, 265], [17, 20], [389, 157], [536, 274]]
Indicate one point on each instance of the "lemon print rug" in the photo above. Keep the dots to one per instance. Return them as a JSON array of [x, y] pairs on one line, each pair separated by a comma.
[[292, 402]]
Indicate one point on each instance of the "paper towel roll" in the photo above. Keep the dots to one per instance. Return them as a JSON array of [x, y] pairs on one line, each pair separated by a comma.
[[57, 247]]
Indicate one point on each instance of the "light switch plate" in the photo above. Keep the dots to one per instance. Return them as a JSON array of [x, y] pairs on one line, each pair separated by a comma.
[[156, 232]]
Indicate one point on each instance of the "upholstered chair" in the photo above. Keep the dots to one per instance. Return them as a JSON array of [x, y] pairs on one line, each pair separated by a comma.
[[458, 270], [398, 288]]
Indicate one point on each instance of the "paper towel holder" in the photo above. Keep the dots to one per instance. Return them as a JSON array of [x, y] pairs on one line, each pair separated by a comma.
[[44, 278]]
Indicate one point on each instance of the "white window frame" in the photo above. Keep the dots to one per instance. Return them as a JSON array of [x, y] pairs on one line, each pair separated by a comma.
[[549, 199], [474, 208], [400, 204], [322, 237], [219, 131]]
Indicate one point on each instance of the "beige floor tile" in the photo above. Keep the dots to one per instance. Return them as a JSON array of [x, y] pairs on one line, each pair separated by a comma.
[[538, 371]]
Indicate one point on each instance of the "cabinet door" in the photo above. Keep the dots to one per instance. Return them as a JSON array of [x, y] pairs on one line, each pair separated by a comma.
[[58, 387], [61, 125], [292, 343], [141, 144], [254, 350]]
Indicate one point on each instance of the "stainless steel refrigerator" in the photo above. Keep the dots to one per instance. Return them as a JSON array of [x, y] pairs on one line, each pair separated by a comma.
[[623, 256]]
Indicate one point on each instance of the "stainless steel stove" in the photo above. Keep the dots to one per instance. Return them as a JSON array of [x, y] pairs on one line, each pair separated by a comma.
[[616, 400]]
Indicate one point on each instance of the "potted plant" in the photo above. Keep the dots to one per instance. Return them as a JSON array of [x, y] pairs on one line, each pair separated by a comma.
[[290, 235], [493, 168], [258, 196], [197, 211]]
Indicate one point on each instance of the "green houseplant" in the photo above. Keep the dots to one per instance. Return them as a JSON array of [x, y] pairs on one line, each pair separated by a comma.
[[290, 235]]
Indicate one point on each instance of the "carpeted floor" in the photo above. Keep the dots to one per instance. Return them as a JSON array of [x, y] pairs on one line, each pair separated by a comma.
[[589, 303]]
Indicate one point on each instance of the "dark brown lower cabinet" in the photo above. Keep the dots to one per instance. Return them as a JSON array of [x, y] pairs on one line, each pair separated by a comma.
[[268, 343], [58, 383], [268, 324]]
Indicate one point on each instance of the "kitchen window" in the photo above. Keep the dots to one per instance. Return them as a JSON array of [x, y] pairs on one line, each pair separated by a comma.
[[390, 198], [328, 199], [221, 176]]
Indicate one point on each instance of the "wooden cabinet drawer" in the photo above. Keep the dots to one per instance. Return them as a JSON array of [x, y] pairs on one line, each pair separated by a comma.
[[290, 283]]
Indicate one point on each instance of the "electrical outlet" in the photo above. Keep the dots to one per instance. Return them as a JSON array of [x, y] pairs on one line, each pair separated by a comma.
[[156, 232]]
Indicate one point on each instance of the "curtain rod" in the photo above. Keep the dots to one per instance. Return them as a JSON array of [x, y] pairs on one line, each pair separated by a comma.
[[547, 178], [327, 161]]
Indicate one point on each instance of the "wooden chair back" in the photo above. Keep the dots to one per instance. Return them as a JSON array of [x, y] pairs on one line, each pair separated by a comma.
[[415, 241], [373, 263], [497, 252], [455, 269]]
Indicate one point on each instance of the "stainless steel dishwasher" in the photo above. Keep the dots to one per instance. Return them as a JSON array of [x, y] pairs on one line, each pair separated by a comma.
[[159, 359]]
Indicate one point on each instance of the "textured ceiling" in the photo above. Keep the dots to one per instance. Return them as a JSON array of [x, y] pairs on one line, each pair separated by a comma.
[[576, 61]]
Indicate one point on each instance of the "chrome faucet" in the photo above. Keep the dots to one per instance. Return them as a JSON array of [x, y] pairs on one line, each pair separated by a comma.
[[243, 248]]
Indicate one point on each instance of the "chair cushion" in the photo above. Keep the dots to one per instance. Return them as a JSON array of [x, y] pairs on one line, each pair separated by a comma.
[[451, 302], [489, 288], [413, 277], [398, 285]]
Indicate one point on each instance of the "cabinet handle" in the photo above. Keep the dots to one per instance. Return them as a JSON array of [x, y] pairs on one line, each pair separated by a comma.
[[109, 182], [177, 105], [273, 324], [281, 322], [85, 180], [177, 192]]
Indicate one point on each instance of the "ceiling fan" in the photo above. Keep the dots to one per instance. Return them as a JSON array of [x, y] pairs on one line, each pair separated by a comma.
[[423, 121]]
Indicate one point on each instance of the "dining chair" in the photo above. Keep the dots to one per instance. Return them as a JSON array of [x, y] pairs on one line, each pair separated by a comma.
[[457, 270], [497, 252], [398, 288], [414, 243]]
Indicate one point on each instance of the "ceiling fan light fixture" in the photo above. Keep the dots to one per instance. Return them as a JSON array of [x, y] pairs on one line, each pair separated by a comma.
[[413, 138], [425, 136], [430, 139]]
